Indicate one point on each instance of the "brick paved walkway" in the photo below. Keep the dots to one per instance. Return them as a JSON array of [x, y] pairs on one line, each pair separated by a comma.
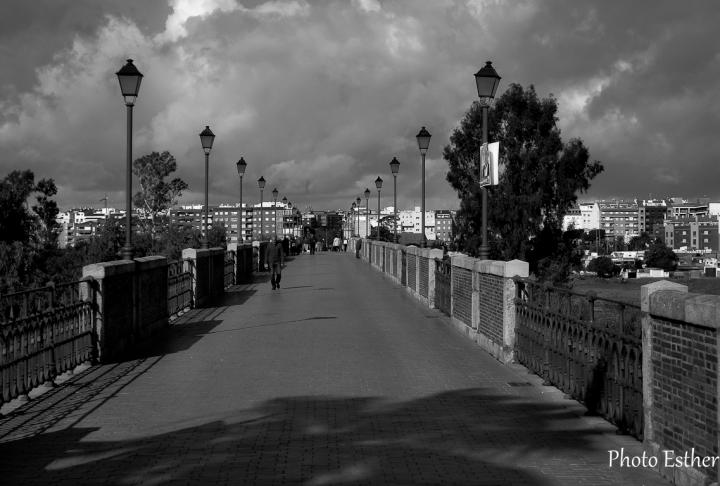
[[339, 377]]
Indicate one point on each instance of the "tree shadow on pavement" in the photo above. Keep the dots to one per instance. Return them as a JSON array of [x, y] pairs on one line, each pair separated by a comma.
[[459, 437]]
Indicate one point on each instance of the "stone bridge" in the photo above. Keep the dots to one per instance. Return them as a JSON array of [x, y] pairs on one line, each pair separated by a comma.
[[345, 375]]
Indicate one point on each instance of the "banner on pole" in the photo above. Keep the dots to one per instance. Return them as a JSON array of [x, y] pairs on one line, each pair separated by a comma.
[[489, 156]]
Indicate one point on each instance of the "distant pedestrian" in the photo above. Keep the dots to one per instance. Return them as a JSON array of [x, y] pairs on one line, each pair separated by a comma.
[[311, 244], [345, 244], [274, 259], [358, 247], [319, 245], [336, 244]]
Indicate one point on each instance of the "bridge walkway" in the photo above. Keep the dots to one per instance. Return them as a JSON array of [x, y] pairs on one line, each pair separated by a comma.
[[339, 377]]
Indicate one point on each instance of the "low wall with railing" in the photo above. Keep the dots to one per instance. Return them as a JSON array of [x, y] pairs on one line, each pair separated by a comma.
[[478, 295], [104, 317], [588, 347], [680, 389], [43, 333]]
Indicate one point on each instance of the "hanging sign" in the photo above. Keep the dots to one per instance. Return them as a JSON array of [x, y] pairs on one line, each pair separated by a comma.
[[489, 157]]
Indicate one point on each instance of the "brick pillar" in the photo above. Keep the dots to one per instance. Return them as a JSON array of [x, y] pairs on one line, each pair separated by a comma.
[[207, 268], [115, 300]]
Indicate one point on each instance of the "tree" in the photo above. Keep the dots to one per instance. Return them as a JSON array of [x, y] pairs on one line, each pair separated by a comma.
[[603, 266], [540, 178], [156, 196], [640, 243], [16, 222], [660, 256], [385, 233]]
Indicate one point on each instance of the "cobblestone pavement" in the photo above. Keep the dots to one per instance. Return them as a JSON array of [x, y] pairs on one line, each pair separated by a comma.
[[339, 377]]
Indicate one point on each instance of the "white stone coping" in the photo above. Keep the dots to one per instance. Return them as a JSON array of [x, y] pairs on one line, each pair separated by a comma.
[[150, 262], [200, 252], [513, 268], [108, 269], [670, 300]]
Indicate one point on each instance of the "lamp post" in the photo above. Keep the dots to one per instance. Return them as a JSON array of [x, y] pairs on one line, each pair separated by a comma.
[[206, 139], [130, 79], [487, 81], [352, 226], [423, 139], [395, 168], [367, 213], [241, 166], [275, 195], [378, 184], [358, 216], [282, 222], [261, 185]]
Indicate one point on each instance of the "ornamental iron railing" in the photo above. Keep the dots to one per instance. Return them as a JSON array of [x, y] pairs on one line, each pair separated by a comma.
[[180, 286], [588, 347], [44, 332]]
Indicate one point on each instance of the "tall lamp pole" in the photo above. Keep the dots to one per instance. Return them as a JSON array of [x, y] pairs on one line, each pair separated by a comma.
[[395, 168], [423, 139], [261, 185], [352, 226], [241, 166], [130, 79], [282, 222], [358, 216], [275, 195], [487, 81], [367, 213], [378, 184], [206, 139]]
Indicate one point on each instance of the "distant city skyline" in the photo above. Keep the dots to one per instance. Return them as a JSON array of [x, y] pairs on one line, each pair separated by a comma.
[[319, 97]]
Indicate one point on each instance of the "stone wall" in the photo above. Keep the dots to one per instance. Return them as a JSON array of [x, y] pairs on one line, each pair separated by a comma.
[[481, 292], [680, 381]]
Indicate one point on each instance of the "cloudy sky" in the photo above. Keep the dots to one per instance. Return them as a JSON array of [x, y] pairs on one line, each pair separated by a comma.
[[318, 96]]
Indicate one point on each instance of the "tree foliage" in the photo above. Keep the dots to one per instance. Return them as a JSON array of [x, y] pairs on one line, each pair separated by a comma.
[[156, 196], [603, 266], [661, 256], [540, 178]]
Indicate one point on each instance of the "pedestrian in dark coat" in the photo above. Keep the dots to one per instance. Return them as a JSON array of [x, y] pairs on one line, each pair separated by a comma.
[[274, 259]]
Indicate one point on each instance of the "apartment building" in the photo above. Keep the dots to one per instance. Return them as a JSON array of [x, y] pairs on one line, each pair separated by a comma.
[[619, 219], [697, 233], [444, 222]]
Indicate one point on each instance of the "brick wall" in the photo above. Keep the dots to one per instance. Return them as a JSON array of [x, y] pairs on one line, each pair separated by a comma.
[[412, 271], [680, 385], [491, 306], [462, 295], [423, 284]]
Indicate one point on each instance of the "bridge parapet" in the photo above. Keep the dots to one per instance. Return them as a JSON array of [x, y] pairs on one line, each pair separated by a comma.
[[477, 294], [680, 380]]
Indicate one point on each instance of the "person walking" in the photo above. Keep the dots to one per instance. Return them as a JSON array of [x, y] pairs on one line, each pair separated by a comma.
[[274, 259], [336, 244], [345, 243]]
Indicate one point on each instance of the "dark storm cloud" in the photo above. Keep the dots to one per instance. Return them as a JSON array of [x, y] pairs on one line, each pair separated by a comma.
[[319, 96]]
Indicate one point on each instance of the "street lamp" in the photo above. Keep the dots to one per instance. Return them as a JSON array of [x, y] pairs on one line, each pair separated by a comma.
[[378, 184], [206, 139], [130, 79], [241, 166], [353, 217], [275, 195], [423, 139], [487, 81], [358, 216], [395, 168], [367, 213], [282, 222], [261, 185]]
